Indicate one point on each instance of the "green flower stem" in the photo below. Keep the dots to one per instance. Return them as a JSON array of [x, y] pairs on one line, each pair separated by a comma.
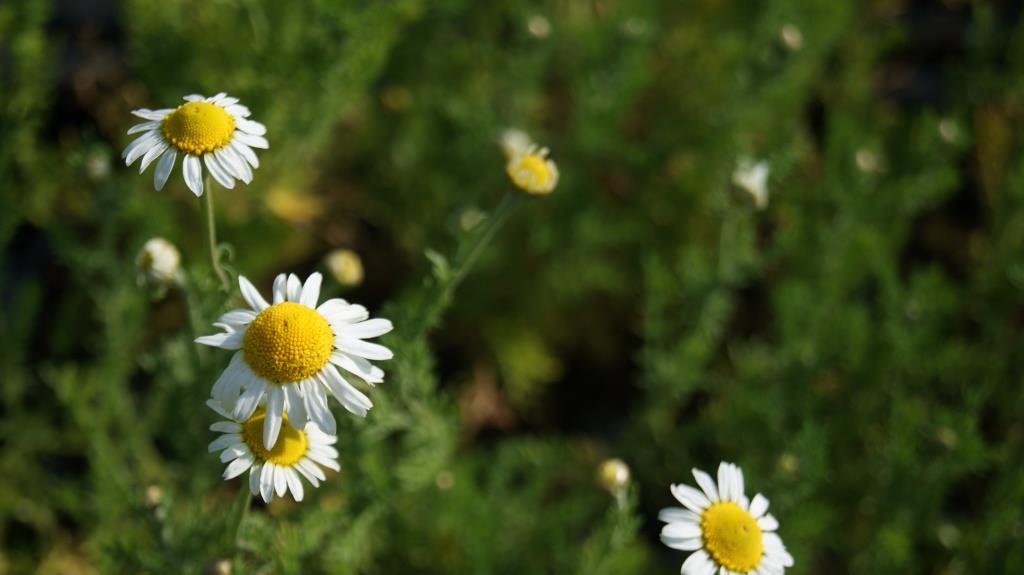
[[236, 515], [211, 234]]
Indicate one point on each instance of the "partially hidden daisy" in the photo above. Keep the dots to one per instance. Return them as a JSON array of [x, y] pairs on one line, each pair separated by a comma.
[[727, 532], [213, 131], [288, 355], [273, 471], [529, 167]]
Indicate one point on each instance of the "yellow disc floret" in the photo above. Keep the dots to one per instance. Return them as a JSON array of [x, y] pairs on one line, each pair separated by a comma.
[[533, 171], [287, 342], [198, 127], [731, 536], [291, 443]]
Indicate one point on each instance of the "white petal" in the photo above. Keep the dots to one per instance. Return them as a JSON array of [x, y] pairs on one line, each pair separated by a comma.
[[351, 398], [193, 172], [339, 312], [357, 366], [249, 400], [768, 523], [251, 295], [272, 421], [681, 530], [219, 172], [193, 98], [238, 111], [366, 329], [697, 564], [267, 482], [677, 514], [311, 290], [219, 408], [737, 481], [363, 348], [237, 317], [238, 466], [689, 544], [294, 484], [163, 169], [758, 506], [248, 126], [251, 140], [226, 427], [246, 153], [706, 484], [693, 499], [155, 115], [234, 164], [280, 483], [226, 388], [153, 153], [139, 146], [316, 407], [254, 478], [228, 340], [224, 441], [725, 481], [280, 288], [313, 471], [294, 288], [143, 127], [295, 406]]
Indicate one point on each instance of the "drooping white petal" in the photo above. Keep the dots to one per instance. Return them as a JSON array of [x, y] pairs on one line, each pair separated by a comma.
[[139, 146], [246, 153], [238, 466], [164, 168], [233, 163], [219, 173], [152, 154], [280, 483], [249, 400], [350, 398], [225, 389], [254, 478], [193, 172], [294, 484], [295, 406], [316, 406], [357, 366], [272, 419], [143, 127], [267, 482]]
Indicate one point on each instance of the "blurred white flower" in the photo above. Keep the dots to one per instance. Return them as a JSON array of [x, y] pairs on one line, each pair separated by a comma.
[[346, 267], [726, 532], [539, 26], [752, 178], [273, 471], [791, 37], [532, 171], [613, 474], [215, 130], [158, 263], [288, 355]]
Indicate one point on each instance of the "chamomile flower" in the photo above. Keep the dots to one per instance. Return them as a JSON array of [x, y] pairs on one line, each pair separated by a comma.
[[532, 171], [288, 355], [273, 471], [727, 532], [213, 131], [752, 178]]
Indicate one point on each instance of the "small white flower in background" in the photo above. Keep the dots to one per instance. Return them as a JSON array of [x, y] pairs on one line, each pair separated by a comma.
[[949, 131], [345, 266], [613, 474], [158, 262], [752, 178], [514, 142], [791, 37], [539, 26], [288, 355], [532, 171], [213, 131], [273, 471], [726, 532]]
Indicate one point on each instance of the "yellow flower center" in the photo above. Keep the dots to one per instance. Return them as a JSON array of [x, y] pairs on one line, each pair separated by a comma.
[[533, 173], [287, 342], [731, 536], [198, 127], [291, 443]]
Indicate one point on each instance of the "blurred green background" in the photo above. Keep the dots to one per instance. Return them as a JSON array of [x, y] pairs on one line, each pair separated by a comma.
[[857, 346]]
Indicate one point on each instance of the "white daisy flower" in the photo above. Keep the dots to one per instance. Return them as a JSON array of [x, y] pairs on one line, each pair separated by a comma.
[[213, 131], [532, 171], [727, 532], [158, 262], [273, 471], [289, 354], [752, 178]]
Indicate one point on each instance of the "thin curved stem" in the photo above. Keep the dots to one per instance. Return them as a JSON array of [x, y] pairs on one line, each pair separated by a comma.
[[211, 234]]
